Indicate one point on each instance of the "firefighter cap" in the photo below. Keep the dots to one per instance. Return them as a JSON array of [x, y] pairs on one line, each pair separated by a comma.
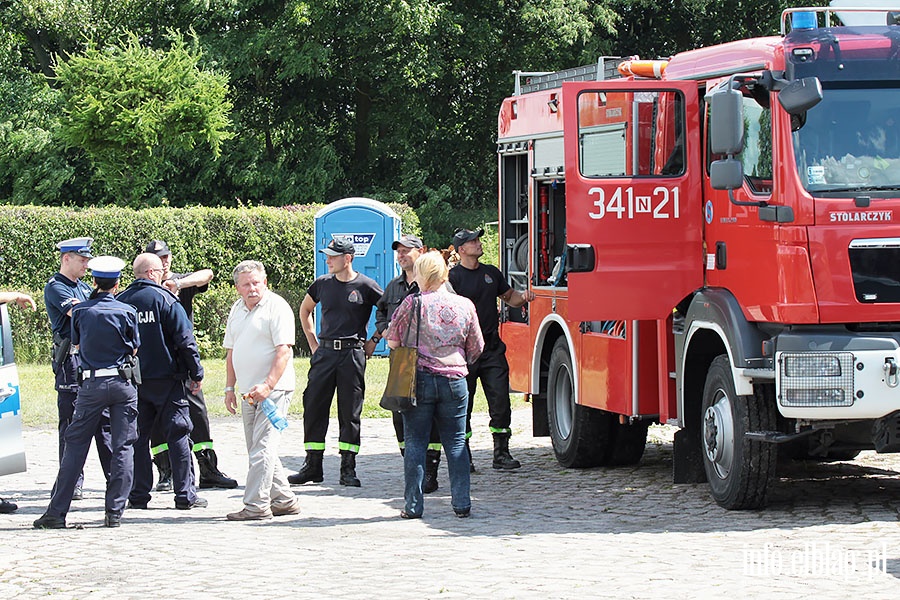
[[159, 248], [339, 246], [80, 246], [466, 235], [408, 240], [106, 267]]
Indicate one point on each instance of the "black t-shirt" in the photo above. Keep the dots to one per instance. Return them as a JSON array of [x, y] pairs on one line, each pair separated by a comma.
[[346, 306], [186, 295], [482, 286]]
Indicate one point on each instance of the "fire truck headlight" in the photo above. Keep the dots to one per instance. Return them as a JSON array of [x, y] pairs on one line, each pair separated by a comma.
[[812, 365], [811, 379]]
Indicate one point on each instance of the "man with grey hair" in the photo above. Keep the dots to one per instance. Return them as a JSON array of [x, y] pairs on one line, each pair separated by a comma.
[[259, 340]]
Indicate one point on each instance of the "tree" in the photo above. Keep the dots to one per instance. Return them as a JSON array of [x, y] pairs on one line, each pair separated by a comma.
[[128, 107]]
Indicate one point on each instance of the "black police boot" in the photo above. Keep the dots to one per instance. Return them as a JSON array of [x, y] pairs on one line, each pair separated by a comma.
[[432, 461], [471, 462], [502, 457], [348, 469], [7, 507], [210, 475], [311, 469], [161, 460]]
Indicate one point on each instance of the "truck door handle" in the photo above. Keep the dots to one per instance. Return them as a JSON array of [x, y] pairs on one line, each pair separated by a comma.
[[579, 258]]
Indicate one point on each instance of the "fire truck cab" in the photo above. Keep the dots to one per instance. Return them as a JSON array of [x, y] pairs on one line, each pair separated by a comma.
[[714, 243]]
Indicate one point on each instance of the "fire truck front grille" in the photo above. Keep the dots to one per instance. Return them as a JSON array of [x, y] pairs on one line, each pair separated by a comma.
[[816, 379], [875, 264]]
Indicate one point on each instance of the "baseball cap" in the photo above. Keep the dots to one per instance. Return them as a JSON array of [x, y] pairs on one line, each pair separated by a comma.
[[339, 246], [408, 240], [80, 246], [159, 248], [466, 235]]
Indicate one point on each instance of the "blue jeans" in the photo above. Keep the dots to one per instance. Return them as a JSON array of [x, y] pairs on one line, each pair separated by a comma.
[[444, 401]]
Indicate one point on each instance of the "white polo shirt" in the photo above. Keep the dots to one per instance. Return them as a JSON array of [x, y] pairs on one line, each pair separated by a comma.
[[252, 336]]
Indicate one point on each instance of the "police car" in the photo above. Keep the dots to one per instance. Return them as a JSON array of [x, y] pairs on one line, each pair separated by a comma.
[[12, 448]]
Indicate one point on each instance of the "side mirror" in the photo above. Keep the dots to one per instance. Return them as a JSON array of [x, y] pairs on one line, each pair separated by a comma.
[[726, 174], [801, 95], [726, 121]]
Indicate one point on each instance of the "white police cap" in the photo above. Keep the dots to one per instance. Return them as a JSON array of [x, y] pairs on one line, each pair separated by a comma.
[[106, 267], [80, 246]]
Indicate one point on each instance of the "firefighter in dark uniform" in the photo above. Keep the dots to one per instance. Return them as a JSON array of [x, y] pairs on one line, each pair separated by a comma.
[[483, 284], [105, 332], [408, 249], [63, 291], [185, 286], [170, 369], [338, 360]]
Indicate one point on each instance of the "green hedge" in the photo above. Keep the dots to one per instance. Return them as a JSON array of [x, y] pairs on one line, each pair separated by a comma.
[[216, 238]]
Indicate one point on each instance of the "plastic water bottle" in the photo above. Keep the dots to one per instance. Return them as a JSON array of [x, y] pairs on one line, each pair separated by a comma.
[[271, 411]]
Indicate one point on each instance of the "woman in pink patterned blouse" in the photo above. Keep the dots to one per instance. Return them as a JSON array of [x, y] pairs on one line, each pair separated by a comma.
[[449, 339]]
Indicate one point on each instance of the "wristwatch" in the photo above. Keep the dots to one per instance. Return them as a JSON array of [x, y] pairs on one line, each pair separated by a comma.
[[229, 388], [375, 338]]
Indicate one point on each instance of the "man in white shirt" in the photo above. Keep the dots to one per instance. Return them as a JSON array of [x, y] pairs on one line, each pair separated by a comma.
[[259, 340]]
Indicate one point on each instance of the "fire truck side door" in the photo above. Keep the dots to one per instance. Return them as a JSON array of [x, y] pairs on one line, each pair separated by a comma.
[[634, 199]]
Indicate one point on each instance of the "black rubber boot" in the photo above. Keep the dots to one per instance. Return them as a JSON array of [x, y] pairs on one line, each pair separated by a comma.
[[311, 469], [348, 469], [502, 457], [432, 461], [210, 475], [471, 462], [161, 460]]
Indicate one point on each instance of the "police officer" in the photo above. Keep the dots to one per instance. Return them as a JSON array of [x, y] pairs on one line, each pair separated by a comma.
[[185, 286], [170, 369], [483, 284], [63, 291], [105, 333], [408, 249], [338, 360]]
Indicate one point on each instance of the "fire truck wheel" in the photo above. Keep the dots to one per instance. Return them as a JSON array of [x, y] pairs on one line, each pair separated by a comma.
[[580, 435], [738, 470]]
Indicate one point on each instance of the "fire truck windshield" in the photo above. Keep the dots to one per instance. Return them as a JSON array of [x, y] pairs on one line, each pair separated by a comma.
[[850, 141]]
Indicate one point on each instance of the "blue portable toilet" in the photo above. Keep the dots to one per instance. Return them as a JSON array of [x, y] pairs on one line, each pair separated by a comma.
[[373, 227]]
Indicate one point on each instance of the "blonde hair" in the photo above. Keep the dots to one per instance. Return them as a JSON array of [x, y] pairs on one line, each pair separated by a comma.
[[432, 269]]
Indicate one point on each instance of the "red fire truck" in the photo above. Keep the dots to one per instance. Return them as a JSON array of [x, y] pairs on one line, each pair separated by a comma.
[[714, 243]]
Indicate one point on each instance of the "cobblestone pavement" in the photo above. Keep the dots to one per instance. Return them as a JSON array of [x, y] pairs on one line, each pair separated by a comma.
[[830, 531]]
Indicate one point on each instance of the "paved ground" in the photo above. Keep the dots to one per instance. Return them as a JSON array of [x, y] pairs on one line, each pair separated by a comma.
[[540, 532]]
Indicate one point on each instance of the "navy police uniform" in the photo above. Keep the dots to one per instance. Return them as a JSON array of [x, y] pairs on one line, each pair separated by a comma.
[[169, 357], [61, 294], [201, 437], [106, 334]]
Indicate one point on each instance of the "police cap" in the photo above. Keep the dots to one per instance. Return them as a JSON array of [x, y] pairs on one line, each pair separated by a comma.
[[80, 246], [106, 267]]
